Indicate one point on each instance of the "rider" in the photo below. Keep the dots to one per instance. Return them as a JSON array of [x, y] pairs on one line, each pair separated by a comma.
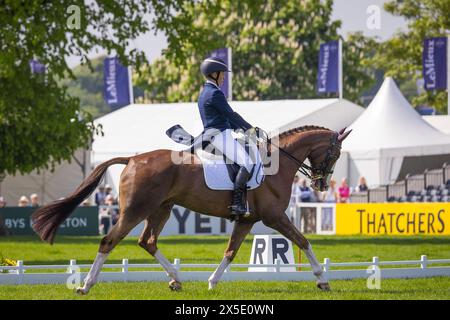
[[217, 114]]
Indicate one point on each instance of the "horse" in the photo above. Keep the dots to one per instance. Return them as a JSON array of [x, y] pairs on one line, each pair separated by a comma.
[[151, 184]]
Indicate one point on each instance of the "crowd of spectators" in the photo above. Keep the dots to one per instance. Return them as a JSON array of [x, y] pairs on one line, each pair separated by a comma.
[[302, 192], [24, 201], [104, 199]]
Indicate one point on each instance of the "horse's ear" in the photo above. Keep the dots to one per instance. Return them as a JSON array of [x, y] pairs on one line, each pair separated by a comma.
[[342, 131], [344, 135]]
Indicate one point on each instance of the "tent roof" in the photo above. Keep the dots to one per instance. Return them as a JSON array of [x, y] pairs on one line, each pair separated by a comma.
[[440, 122], [391, 126], [140, 128]]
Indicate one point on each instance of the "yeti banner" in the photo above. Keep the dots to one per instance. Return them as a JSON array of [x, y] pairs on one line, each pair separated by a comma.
[[225, 55], [116, 83], [328, 71], [434, 61]]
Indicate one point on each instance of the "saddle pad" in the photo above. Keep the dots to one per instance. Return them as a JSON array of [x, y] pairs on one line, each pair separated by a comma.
[[216, 172]]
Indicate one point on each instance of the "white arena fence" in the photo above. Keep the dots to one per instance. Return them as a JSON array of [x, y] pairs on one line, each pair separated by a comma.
[[19, 275]]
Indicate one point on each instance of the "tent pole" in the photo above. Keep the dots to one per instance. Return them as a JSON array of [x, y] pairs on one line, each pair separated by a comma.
[[341, 76], [448, 75]]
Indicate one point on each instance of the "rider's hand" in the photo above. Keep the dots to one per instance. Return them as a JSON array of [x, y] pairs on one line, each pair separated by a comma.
[[252, 131]]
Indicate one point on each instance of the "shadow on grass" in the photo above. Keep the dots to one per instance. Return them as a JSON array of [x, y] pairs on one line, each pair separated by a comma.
[[222, 240]]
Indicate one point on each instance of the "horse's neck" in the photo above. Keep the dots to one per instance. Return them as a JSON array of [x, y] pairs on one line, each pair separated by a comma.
[[299, 145]]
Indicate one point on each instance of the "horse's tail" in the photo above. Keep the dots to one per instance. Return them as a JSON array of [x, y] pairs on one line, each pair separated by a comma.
[[47, 219]]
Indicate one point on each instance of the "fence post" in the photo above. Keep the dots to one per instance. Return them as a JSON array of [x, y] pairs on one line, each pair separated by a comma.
[[444, 166], [425, 184], [326, 265], [176, 264], [72, 264], [20, 270], [277, 265], [423, 262], [375, 262], [125, 269]]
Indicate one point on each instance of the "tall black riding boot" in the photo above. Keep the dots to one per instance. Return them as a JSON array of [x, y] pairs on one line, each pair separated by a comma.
[[238, 208]]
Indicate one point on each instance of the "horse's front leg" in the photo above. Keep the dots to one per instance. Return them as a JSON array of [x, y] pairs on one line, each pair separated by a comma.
[[240, 231], [283, 225]]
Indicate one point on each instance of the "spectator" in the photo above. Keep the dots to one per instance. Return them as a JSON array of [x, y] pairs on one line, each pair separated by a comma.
[[362, 185], [100, 196], [113, 212], [108, 190], [2, 202], [34, 200], [331, 195], [306, 193], [295, 191], [108, 215], [344, 191], [23, 202]]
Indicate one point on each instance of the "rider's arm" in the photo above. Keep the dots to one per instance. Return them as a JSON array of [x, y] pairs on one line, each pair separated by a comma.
[[237, 122]]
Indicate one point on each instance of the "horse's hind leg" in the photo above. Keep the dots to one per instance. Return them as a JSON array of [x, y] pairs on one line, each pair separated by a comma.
[[240, 231], [107, 244], [283, 225], [148, 240]]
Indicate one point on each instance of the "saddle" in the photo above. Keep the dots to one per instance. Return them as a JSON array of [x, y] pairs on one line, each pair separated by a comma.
[[219, 173]]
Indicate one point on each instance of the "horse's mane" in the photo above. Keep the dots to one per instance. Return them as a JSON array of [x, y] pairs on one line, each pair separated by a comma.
[[286, 134]]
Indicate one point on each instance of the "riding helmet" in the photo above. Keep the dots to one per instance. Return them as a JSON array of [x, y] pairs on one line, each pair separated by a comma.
[[212, 64]]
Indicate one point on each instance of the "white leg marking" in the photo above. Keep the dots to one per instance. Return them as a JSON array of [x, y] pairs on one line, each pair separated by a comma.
[[317, 268], [92, 276], [170, 270], [217, 274]]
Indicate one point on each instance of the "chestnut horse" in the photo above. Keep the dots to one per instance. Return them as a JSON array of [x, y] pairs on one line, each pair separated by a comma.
[[151, 184]]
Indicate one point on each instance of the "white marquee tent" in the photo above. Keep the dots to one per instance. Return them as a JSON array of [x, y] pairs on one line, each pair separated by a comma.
[[389, 137], [48, 185], [140, 128]]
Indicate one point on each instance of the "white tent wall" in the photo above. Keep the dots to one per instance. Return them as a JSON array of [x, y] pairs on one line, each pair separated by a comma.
[[48, 185]]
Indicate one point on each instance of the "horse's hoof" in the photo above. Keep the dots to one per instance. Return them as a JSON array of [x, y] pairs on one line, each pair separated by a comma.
[[211, 285], [175, 285], [81, 291], [324, 286]]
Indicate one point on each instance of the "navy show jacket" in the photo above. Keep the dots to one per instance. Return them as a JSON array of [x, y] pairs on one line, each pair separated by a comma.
[[216, 112]]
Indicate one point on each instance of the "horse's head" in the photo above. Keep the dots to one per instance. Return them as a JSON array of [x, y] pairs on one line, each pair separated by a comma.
[[323, 159]]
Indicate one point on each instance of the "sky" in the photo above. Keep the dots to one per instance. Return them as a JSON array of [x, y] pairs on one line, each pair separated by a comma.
[[353, 14]]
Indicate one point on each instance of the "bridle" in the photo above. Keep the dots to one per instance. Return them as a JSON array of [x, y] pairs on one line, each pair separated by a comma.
[[315, 173]]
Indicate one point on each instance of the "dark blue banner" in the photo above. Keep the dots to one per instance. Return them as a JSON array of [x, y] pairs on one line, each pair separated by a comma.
[[434, 61], [223, 53], [328, 72], [36, 66], [116, 83]]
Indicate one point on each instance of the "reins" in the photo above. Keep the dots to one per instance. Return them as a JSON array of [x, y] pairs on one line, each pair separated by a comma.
[[304, 168]]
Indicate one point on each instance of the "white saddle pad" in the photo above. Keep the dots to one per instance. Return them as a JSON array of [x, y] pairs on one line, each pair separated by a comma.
[[216, 172]]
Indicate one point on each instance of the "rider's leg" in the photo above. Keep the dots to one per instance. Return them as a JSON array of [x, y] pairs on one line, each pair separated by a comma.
[[235, 152]]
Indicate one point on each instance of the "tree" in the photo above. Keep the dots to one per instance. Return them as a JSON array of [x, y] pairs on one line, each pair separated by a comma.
[[40, 123], [275, 51], [401, 56], [88, 87]]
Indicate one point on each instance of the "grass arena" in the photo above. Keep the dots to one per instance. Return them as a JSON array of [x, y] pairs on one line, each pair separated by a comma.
[[209, 249]]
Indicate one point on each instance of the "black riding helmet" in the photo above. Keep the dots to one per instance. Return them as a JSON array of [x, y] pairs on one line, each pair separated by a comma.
[[211, 65]]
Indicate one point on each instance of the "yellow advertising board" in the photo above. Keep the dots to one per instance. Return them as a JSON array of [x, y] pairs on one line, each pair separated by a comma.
[[393, 218]]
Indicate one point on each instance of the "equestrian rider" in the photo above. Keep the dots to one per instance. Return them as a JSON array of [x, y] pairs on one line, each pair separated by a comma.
[[217, 114]]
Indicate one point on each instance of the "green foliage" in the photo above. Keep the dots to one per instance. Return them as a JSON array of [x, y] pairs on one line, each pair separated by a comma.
[[401, 56], [275, 51], [40, 123], [88, 87]]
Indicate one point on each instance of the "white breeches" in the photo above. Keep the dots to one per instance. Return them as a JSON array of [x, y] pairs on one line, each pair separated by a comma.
[[232, 149]]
